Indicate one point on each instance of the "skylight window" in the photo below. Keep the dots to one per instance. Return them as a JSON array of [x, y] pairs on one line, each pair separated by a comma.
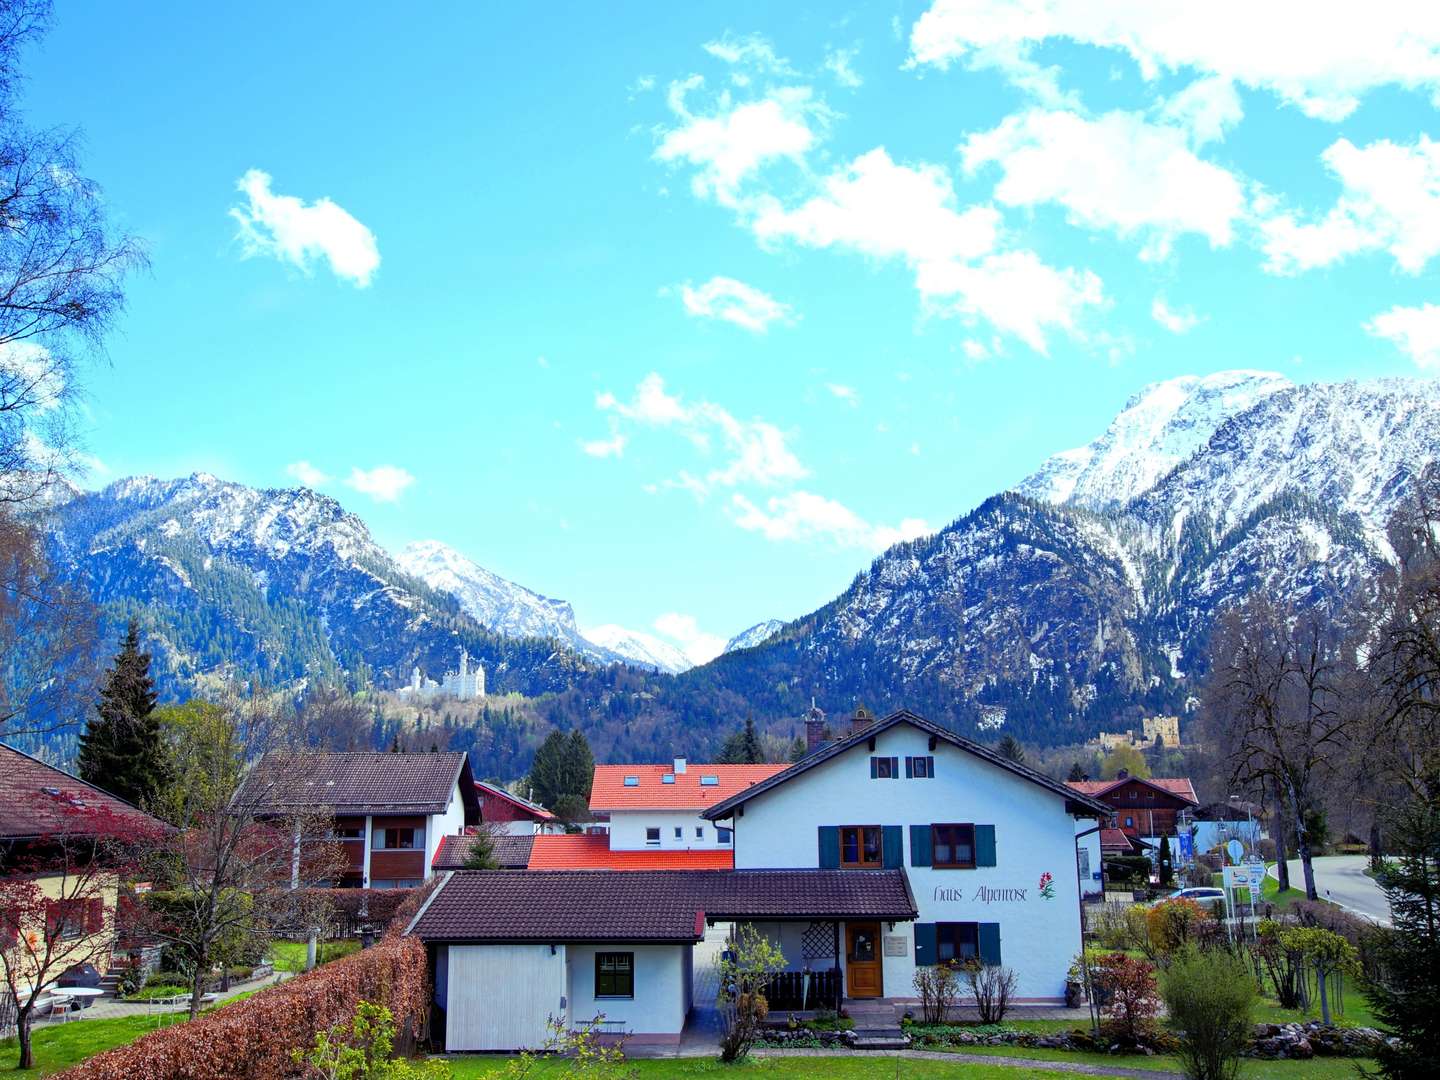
[[632, 781], [709, 781], [667, 778]]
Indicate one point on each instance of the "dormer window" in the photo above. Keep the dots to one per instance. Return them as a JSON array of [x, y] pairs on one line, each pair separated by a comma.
[[632, 781]]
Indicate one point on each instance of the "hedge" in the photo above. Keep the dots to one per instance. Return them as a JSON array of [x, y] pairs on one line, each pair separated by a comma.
[[252, 1039]]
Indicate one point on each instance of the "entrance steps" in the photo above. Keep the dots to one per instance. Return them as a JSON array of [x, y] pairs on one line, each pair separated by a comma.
[[877, 1026]]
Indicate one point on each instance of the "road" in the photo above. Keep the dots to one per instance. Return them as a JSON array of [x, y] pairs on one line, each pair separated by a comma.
[[1341, 879]]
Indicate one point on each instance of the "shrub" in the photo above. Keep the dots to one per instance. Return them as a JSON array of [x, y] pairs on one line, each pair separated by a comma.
[[363, 1049], [1127, 870], [253, 1039], [1210, 996], [936, 986], [744, 969], [1127, 986], [992, 986], [1172, 924]]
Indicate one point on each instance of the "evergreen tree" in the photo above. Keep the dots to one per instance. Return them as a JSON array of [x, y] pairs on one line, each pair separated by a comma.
[[1406, 995], [1077, 772], [1165, 863], [481, 855], [1011, 749], [562, 770], [744, 746], [123, 749], [798, 748]]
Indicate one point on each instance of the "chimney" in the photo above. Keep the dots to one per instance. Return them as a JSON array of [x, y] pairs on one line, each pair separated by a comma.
[[861, 720], [679, 766], [814, 727]]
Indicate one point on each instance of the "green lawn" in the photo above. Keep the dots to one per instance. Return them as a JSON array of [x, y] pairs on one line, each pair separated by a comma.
[[58, 1046], [1314, 1069], [833, 1068], [290, 955]]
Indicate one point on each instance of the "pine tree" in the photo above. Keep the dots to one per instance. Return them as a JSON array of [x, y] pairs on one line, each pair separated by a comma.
[[744, 746], [1077, 773], [562, 770], [123, 748], [1166, 865], [1010, 748]]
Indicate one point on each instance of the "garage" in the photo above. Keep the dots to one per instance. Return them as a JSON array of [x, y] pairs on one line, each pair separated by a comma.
[[499, 996]]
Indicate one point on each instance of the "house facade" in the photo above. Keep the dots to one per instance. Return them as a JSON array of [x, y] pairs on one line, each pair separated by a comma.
[[505, 812], [988, 847], [660, 807], [390, 811]]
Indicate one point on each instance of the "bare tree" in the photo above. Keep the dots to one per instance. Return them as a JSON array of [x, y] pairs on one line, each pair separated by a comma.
[[47, 625], [243, 845], [61, 273], [1274, 707]]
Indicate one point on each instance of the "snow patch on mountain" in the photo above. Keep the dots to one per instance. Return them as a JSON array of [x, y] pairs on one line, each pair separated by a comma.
[[1160, 427], [754, 635], [639, 647]]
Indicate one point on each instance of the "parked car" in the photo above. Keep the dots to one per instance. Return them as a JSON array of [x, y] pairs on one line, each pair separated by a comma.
[[1207, 896]]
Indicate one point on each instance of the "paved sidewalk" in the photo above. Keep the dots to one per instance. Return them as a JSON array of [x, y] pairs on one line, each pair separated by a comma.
[[111, 1008]]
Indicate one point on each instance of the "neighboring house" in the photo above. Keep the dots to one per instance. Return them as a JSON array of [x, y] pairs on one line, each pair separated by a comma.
[[390, 810], [509, 813], [595, 853], [988, 846], [46, 816], [1142, 808], [510, 950], [660, 807], [509, 852], [1217, 823]]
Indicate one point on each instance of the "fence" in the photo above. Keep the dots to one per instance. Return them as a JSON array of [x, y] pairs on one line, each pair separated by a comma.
[[799, 990]]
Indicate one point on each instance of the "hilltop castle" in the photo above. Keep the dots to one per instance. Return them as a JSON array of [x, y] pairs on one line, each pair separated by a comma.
[[464, 684]]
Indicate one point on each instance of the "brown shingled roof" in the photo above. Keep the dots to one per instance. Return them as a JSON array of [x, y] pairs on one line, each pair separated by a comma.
[[511, 852], [648, 905], [368, 783], [40, 800]]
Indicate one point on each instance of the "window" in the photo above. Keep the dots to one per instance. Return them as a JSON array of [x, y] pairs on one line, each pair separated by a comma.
[[957, 941], [920, 768], [667, 778], [699, 832], [614, 975], [709, 781], [861, 845], [395, 883], [953, 845], [1129, 823], [652, 835], [399, 839], [349, 832], [632, 781], [722, 835], [884, 768], [679, 832]]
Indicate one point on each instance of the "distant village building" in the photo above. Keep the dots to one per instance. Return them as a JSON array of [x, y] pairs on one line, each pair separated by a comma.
[[464, 684], [1164, 729]]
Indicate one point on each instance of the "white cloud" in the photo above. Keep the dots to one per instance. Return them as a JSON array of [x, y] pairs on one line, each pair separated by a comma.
[[1415, 331], [803, 515], [1319, 55], [1207, 108], [734, 302], [1180, 321], [839, 63], [751, 52], [847, 394], [603, 448], [699, 646], [975, 350], [735, 141], [1389, 201], [885, 210], [286, 228], [754, 451], [307, 474], [1119, 172], [384, 483]]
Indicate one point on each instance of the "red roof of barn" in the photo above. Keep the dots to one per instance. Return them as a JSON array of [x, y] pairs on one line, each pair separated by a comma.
[[39, 800], [593, 853], [1113, 840], [698, 787], [1098, 789]]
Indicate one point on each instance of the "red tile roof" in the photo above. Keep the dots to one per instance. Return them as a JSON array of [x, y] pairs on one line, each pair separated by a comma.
[[609, 791], [511, 852], [363, 783], [1114, 841], [670, 906], [593, 853], [39, 800], [1098, 789]]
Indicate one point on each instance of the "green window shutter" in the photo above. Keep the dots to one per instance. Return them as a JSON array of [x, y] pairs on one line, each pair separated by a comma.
[[829, 847], [984, 845], [920, 845], [925, 951], [894, 768], [909, 768], [874, 767], [989, 934], [892, 846]]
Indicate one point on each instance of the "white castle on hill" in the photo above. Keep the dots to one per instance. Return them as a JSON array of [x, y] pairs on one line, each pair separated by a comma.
[[465, 683]]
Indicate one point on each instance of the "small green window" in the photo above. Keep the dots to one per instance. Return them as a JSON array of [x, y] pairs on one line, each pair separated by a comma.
[[614, 975]]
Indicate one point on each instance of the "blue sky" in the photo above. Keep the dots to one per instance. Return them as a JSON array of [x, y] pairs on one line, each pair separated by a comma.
[[689, 309]]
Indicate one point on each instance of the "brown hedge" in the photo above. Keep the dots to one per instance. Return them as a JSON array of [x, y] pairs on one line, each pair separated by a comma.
[[253, 1039]]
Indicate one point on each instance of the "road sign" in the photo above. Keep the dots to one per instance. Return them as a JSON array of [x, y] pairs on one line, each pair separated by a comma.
[[1236, 849]]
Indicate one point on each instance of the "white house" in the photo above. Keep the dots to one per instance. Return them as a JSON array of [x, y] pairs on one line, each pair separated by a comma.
[[988, 845], [659, 807]]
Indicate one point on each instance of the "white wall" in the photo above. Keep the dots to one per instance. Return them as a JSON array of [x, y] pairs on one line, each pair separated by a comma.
[[1033, 835], [627, 831], [500, 996], [662, 991], [439, 826]]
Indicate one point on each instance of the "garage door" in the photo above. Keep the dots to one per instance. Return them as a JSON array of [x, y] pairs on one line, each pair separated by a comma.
[[501, 995]]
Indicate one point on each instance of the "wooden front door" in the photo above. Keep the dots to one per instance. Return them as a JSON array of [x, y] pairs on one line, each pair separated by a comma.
[[862, 961]]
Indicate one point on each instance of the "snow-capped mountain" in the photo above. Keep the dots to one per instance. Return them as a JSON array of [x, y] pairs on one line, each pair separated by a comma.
[[755, 635], [1161, 426], [638, 647]]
